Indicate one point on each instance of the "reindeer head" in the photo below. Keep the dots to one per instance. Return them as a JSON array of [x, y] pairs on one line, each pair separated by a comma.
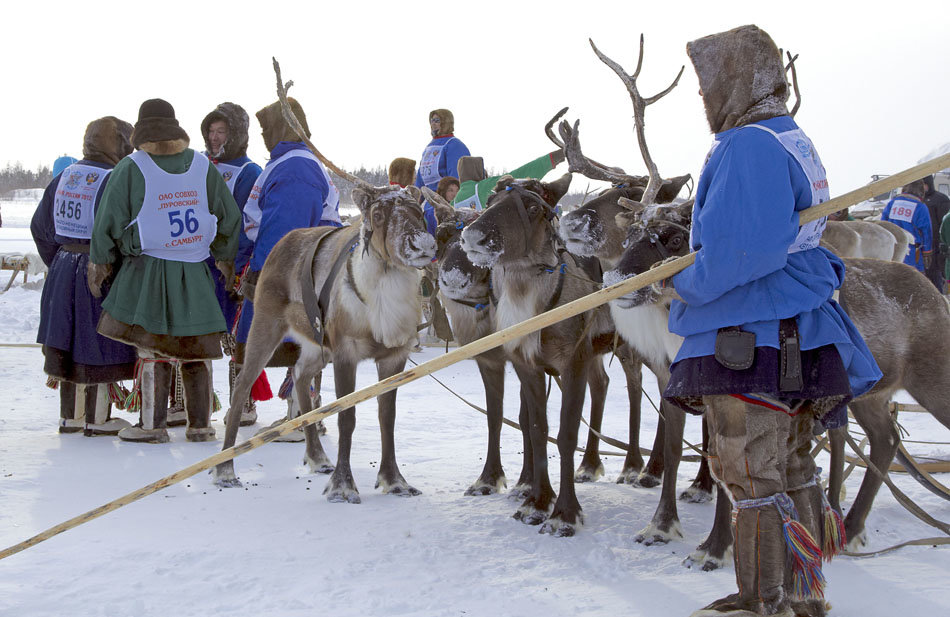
[[653, 233], [518, 219], [459, 278], [393, 227]]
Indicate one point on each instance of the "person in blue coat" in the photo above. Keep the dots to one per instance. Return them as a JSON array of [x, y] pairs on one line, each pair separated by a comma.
[[82, 361], [909, 212], [766, 349], [441, 157]]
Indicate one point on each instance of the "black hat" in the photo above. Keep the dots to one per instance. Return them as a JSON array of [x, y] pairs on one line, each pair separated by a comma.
[[157, 122]]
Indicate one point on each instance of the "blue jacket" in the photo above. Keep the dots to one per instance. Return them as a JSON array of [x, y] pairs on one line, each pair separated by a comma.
[[242, 189], [908, 212], [448, 159], [428, 215], [42, 226], [744, 220], [292, 198]]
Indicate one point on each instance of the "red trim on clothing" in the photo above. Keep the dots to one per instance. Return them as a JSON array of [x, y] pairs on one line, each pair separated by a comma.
[[446, 135], [402, 186], [752, 401]]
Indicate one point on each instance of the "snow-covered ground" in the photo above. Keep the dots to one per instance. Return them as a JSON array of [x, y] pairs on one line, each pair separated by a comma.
[[277, 547]]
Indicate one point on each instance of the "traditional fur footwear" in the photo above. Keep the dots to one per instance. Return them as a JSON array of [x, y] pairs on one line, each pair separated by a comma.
[[71, 425], [727, 611], [249, 414], [112, 426], [144, 435], [177, 416], [200, 434]]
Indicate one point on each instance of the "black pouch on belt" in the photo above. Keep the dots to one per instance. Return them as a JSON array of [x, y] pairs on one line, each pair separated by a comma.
[[735, 349], [790, 353]]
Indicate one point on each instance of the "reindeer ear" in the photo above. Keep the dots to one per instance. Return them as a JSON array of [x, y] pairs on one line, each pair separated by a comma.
[[414, 192], [554, 191], [631, 205], [363, 199], [671, 188], [626, 219], [685, 211]]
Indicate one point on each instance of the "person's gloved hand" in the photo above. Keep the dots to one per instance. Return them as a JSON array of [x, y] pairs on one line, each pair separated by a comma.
[[96, 275], [226, 268]]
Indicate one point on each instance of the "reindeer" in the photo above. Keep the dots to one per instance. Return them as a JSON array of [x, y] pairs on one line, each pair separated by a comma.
[[897, 312], [368, 274], [861, 239], [466, 289]]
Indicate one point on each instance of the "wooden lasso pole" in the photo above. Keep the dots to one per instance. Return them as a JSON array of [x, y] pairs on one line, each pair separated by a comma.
[[466, 352]]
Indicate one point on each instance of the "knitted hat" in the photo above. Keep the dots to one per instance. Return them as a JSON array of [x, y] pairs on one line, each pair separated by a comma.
[[157, 122], [62, 163]]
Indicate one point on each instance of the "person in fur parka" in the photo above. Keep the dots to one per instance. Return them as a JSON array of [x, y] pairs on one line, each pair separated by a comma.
[[442, 154], [83, 362], [767, 352], [163, 212]]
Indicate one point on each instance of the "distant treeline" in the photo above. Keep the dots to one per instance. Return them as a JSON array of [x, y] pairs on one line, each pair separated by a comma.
[[14, 176]]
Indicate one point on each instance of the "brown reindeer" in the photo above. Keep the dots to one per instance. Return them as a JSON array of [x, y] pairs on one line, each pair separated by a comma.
[[369, 275], [897, 312], [530, 273], [861, 239]]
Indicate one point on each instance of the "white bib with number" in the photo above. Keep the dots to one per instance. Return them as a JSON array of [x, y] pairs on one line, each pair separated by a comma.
[[902, 210], [75, 200], [429, 165], [803, 150], [252, 209], [230, 173], [174, 222]]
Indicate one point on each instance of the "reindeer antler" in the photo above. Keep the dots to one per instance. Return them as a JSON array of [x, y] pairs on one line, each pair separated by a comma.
[[579, 163], [639, 108], [294, 123], [798, 94]]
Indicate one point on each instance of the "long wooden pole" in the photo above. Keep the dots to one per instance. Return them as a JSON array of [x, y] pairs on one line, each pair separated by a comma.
[[465, 352]]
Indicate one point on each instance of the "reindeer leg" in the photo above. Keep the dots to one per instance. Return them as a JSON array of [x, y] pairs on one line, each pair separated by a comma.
[[567, 510], [526, 480], [700, 491], [715, 550], [342, 487], [633, 462], [591, 467], [264, 337], [872, 415], [307, 367], [492, 478], [665, 525], [389, 479], [836, 473], [539, 499]]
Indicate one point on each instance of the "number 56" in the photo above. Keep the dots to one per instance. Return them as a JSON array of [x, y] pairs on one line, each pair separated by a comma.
[[178, 226]]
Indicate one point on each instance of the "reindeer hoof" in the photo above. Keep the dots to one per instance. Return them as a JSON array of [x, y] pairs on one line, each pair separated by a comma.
[[647, 480], [397, 487], [319, 466], [652, 534], [519, 491], [628, 476], [706, 561], [342, 495], [225, 477], [857, 542], [588, 473], [694, 494], [529, 515], [485, 487], [558, 528]]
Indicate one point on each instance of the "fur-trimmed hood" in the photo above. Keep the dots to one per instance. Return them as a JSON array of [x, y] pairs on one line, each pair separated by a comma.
[[448, 120], [238, 123], [165, 147], [275, 128], [471, 168], [402, 171], [107, 140], [741, 75]]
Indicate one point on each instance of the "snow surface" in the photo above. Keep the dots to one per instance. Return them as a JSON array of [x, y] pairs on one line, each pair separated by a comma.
[[277, 547]]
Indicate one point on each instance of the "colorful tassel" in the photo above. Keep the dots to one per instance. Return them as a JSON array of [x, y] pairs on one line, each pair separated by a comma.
[[118, 395], [52, 383], [835, 536], [215, 403], [261, 391], [287, 387], [808, 581]]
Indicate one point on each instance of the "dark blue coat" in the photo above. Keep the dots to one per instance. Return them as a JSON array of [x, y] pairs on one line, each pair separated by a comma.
[[68, 311]]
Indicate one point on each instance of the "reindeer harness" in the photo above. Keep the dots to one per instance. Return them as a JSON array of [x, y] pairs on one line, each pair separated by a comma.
[[318, 306]]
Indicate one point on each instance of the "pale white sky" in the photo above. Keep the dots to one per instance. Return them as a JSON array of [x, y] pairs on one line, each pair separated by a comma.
[[875, 77]]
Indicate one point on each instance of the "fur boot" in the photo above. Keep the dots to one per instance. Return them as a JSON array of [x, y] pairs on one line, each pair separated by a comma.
[[156, 380], [69, 420], [196, 378], [98, 412]]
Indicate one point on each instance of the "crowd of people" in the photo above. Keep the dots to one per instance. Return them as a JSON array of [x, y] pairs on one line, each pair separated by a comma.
[[154, 249]]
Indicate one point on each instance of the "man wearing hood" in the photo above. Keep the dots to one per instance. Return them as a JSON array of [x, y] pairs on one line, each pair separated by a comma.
[[164, 211], [82, 361], [294, 191], [441, 156], [225, 133], [766, 349], [938, 205]]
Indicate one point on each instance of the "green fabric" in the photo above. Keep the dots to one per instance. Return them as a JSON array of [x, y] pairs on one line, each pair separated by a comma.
[[945, 241], [162, 296], [475, 194]]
